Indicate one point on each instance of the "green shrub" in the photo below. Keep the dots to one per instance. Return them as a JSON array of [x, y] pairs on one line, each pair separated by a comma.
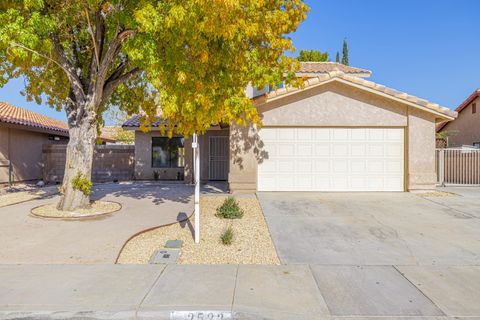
[[82, 183], [227, 236], [229, 209], [156, 175]]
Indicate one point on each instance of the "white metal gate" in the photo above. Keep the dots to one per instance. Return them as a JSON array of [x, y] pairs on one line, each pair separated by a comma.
[[218, 158], [458, 166]]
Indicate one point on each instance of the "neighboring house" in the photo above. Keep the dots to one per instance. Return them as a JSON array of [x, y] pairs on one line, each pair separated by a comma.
[[465, 129], [22, 135], [339, 133], [107, 135]]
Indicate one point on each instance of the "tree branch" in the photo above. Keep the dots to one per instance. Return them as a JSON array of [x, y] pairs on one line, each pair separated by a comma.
[[96, 53], [119, 71], [112, 51], [113, 83], [66, 65], [98, 41]]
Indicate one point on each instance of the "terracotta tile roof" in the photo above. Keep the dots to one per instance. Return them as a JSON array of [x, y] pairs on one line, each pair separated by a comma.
[[327, 67], [135, 122], [108, 133], [353, 80], [462, 106], [20, 116]]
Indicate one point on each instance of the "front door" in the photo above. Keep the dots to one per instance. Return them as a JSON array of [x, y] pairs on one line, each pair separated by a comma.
[[218, 158]]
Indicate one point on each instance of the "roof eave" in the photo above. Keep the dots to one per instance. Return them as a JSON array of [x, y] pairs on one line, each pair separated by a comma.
[[316, 74]]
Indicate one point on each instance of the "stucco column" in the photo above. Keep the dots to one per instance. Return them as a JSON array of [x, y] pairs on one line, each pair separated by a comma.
[[188, 170], [244, 144], [421, 150]]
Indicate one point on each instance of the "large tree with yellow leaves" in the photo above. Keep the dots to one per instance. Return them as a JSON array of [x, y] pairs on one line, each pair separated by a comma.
[[192, 57]]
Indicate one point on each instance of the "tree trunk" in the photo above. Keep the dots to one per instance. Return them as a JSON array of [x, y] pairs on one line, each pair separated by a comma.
[[79, 159]]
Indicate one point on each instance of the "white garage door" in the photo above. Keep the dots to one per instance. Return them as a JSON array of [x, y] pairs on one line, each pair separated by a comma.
[[332, 159]]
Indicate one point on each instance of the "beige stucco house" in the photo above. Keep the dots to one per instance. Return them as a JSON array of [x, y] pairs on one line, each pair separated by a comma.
[[340, 133], [465, 129]]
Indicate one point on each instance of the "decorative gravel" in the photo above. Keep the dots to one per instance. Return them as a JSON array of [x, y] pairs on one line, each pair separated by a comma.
[[96, 208], [251, 243]]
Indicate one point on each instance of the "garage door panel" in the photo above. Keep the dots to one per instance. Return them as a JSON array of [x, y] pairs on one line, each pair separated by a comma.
[[376, 150], [305, 149], [332, 159], [305, 134], [285, 165], [340, 149], [394, 150], [303, 181], [358, 166], [340, 134], [321, 165], [285, 150], [269, 135], [285, 134], [358, 150], [359, 135], [304, 166], [340, 166], [321, 134], [376, 134], [322, 149], [394, 166]]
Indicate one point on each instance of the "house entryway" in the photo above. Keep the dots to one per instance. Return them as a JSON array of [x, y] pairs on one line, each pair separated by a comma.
[[218, 158]]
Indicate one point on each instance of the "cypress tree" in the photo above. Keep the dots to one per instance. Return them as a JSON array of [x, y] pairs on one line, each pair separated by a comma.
[[345, 52], [337, 57]]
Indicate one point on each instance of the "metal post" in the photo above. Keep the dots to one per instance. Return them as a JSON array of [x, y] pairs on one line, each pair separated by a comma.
[[441, 167], [196, 169]]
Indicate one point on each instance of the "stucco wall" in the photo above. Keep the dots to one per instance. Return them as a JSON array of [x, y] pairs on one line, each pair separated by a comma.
[[337, 105], [334, 104], [24, 149], [421, 150], [465, 130], [143, 159]]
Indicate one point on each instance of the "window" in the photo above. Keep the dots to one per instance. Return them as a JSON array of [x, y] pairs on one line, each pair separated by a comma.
[[168, 152], [476, 145], [474, 108]]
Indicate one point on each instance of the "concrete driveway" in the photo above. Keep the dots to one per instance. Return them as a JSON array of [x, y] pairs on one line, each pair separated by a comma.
[[375, 228], [29, 240]]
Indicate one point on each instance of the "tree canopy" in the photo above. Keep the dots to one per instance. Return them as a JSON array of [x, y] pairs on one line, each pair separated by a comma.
[[191, 58], [194, 58], [345, 52], [312, 55]]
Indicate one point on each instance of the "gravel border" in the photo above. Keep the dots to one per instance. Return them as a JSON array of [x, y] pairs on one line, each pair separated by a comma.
[[252, 242], [69, 215]]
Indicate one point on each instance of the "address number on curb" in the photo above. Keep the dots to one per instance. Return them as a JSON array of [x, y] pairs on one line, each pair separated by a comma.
[[201, 315]]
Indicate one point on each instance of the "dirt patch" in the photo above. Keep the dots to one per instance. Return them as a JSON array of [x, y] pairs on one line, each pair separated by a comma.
[[252, 243], [11, 198], [431, 194], [95, 209]]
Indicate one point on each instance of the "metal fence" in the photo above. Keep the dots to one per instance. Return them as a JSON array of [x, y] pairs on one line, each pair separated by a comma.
[[458, 167]]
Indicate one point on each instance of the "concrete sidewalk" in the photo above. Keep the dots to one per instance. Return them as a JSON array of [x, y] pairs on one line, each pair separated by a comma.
[[250, 292]]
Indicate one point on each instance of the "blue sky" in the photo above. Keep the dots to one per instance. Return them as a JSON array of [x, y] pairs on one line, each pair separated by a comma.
[[428, 48]]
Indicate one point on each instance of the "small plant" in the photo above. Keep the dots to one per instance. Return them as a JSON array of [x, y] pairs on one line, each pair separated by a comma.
[[82, 183], [227, 236], [229, 209], [156, 175]]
